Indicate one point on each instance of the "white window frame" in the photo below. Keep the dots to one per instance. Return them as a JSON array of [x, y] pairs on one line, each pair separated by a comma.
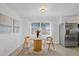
[[43, 36]]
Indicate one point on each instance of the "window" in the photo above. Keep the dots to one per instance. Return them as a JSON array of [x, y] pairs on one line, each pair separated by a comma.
[[44, 27], [35, 26]]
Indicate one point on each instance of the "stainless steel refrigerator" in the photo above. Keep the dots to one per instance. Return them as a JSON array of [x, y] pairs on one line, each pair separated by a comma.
[[68, 34]]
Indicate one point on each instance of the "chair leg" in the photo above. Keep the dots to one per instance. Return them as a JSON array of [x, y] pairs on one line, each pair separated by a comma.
[[53, 46], [49, 47]]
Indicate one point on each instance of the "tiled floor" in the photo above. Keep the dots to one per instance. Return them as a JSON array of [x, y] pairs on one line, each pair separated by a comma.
[[59, 51]]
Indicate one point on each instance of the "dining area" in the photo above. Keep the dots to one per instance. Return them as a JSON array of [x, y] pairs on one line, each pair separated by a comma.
[[37, 46]]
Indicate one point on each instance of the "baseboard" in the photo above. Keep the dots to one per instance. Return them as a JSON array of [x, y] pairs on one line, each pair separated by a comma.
[[16, 51]]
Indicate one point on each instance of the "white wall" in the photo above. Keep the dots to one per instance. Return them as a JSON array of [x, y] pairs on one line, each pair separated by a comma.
[[54, 25], [9, 41], [70, 19]]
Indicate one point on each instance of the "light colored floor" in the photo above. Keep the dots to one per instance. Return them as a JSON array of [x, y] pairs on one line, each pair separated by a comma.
[[59, 51]]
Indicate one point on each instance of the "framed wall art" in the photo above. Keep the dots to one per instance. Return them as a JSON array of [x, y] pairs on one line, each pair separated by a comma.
[[5, 24]]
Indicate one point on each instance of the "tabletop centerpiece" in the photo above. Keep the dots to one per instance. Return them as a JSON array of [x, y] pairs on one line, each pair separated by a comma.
[[38, 33]]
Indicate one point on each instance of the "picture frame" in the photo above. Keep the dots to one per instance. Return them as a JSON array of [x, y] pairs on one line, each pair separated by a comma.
[[5, 24], [8, 24]]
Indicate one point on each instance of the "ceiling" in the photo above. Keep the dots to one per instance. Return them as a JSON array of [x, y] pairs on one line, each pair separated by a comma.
[[54, 9]]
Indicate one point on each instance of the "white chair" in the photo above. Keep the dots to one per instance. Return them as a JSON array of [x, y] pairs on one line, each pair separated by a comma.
[[50, 42], [26, 42]]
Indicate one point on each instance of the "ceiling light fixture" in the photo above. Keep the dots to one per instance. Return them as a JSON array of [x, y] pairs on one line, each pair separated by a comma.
[[43, 8]]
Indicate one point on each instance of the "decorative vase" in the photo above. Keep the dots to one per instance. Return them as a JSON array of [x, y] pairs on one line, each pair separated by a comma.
[[37, 33]]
